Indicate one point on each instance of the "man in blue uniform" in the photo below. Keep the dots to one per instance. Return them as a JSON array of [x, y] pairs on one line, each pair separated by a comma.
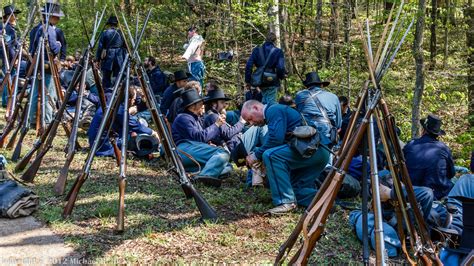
[[180, 80], [110, 52], [346, 115], [319, 107], [291, 177], [10, 42], [158, 79], [276, 64], [429, 161], [192, 141], [216, 104], [52, 13]]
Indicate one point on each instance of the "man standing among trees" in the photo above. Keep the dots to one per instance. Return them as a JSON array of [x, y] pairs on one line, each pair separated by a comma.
[[110, 52], [193, 55], [272, 60]]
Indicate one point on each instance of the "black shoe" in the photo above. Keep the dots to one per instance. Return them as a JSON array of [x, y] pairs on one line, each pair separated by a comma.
[[209, 181], [282, 209]]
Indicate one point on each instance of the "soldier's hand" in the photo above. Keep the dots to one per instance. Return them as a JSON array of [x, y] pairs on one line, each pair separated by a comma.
[[155, 134], [247, 86], [220, 120], [132, 110], [251, 159]]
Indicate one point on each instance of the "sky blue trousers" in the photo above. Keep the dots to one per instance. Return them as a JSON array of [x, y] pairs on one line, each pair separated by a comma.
[[270, 94], [212, 160], [49, 110], [292, 177]]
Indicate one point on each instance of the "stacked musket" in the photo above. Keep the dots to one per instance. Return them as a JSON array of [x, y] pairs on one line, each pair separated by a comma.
[[46, 134], [371, 106]]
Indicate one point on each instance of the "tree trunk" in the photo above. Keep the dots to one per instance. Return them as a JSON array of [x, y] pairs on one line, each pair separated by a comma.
[[446, 31], [434, 12], [284, 35], [319, 35], [333, 32], [274, 24], [469, 15], [347, 41], [420, 68]]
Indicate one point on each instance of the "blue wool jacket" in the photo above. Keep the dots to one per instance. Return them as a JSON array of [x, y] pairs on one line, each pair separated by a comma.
[[168, 98], [430, 164], [10, 41], [112, 41], [188, 126], [276, 62], [281, 120], [158, 80], [226, 132], [308, 107], [52, 32], [62, 40]]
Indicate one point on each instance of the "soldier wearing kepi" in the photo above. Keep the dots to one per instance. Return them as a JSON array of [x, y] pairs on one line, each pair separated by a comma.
[[52, 14], [110, 52], [10, 41]]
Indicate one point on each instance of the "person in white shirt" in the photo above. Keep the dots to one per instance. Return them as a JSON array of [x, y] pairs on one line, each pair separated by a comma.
[[193, 55]]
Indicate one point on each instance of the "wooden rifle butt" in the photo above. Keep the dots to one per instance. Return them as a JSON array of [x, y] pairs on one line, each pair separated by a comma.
[[121, 211], [30, 173], [5, 133], [60, 185], [25, 160], [17, 152], [207, 212], [12, 140], [72, 195]]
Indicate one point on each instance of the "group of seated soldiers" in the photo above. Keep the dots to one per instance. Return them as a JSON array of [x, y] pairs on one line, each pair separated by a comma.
[[211, 140]]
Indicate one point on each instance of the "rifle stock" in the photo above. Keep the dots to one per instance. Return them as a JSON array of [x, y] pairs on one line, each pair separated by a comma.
[[207, 212], [72, 195], [17, 152], [20, 166], [30, 173], [12, 140], [121, 212], [60, 185]]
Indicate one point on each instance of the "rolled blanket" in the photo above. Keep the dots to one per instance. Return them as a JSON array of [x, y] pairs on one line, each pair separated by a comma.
[[15, 200]]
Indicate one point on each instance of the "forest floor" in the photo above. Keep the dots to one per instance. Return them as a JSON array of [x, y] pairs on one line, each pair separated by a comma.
[[162, 226]]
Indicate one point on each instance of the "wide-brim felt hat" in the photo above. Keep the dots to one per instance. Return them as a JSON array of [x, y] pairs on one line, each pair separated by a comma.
[[146, 144], [432, 124], [112, 20], [190, 97], [52, 9], [313, 79], [214, 95], [8, 10], [181, 75]]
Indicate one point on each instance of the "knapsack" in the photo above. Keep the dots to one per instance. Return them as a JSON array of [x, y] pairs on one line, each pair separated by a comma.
[[261, 77], [313, 99]]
